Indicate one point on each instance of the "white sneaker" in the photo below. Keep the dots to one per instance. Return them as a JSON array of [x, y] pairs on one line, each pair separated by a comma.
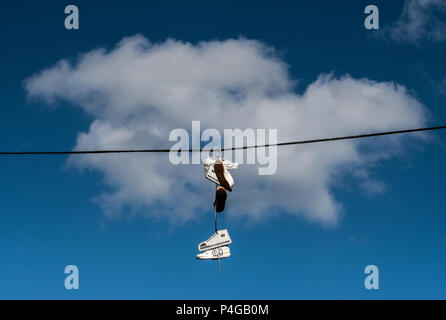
[[219, 239], [208, 162], [216, 171], [214, 254]]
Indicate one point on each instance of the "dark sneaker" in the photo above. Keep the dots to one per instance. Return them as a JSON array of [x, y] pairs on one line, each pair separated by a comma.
[[220, 199]]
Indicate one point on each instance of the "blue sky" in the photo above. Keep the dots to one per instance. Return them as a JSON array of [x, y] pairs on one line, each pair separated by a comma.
[[48, 219]]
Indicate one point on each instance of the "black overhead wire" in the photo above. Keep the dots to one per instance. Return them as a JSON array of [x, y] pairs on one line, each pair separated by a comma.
[[359, 136]]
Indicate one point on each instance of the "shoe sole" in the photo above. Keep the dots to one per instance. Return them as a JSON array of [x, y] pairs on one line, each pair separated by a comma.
[[215, 254], [220, 173], [220, 199]]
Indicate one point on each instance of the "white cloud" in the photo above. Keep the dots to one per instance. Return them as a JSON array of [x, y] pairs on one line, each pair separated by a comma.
[[139, 91], [420, 20]]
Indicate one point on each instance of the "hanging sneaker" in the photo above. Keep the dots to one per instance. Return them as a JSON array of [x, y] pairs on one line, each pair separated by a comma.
[[219, 239], [210, 175], [224, 177], [220, 199], [217, 171], [214, 254], [208, 162]]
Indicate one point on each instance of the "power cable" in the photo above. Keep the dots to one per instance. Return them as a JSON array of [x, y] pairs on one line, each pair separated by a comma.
[[359, 136]]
